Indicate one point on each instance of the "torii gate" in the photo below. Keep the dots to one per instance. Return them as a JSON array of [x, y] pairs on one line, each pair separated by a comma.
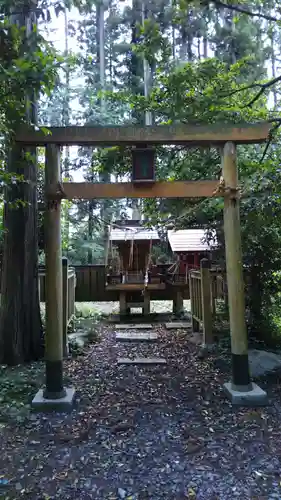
[[240, 389]]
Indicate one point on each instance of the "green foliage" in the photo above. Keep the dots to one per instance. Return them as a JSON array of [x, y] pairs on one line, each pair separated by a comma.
[[153, 46], [28, 67], [201, 92], [18, 386], [190, 87], [211, 91]]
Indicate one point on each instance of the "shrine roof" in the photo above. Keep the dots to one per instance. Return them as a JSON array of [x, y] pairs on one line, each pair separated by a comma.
[[133, 233], [188, 240]]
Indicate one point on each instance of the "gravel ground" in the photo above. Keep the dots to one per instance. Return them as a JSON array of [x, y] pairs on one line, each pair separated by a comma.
[[165, 432]]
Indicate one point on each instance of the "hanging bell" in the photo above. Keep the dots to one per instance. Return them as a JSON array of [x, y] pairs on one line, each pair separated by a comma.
[[143, 159]]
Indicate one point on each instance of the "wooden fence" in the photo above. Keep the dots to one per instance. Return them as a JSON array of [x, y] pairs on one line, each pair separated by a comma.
[[71, 293], [69, 286], [206, 287]]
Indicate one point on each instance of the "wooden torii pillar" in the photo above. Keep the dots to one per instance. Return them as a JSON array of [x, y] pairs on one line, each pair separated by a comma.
[[55, 396], [240, 390]]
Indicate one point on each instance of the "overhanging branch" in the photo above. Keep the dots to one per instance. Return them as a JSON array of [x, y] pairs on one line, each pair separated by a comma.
[[261, 86], [241, 10], [277, 122]]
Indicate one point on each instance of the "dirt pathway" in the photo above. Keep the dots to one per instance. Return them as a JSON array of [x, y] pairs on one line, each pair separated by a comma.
[[163, 432]]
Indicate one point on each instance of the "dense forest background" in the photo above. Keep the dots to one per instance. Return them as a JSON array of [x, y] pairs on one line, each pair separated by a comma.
[[136, 62]]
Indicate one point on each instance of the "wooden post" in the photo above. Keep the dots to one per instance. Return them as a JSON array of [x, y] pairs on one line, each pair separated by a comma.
[[146, 303], [39, 287], [195, 326], [206, 298], [122, 303], [178, 302], [54, 320], [65, 298], [174, 301], [214, 293], [239, 341]]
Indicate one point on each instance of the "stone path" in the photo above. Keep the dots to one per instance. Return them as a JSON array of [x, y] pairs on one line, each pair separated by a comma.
[[172, 325], [133, 335], [137, 337], [131, 326], [142, 361]]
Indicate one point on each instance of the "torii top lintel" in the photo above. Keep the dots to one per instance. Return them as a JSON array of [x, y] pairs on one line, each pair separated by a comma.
[[188, 135]]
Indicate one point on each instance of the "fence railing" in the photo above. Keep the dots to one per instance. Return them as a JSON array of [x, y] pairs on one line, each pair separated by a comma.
[[195, 298], [69, 286], [70, 310], [219, 288], [205, 286]]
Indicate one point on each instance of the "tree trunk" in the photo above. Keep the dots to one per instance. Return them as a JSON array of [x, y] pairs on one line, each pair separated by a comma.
[[189, 47], [199, 49], [147, 69], [66, 122], [104, 176], [183, 45], [206, 14], [273, 64], [136, 63], [20, 321], [205, 47], [173, 43], [21, 336]]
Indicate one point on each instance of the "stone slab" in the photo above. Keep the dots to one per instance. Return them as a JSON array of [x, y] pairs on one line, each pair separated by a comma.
[[256, 397], [172, 325], [141, 361], [195, 338], [263, 362], [137, 326], [41, 404], [137, 337]]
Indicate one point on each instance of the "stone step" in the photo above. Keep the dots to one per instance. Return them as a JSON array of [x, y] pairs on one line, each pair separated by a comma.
[[138, 326], [172, 325], [137, 337], [141, 361]]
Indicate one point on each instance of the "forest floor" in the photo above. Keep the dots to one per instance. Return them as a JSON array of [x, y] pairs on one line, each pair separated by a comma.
[[163, 432]]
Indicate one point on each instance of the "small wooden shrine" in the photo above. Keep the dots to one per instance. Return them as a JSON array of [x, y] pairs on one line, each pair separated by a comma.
[[129, 266], [189, 246]]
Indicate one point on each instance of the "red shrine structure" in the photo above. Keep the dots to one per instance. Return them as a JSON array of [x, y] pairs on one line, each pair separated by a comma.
[[190, 246]]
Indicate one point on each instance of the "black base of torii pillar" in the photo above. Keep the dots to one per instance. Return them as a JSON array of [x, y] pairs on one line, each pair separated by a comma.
[[240, 390], [55, 397]]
